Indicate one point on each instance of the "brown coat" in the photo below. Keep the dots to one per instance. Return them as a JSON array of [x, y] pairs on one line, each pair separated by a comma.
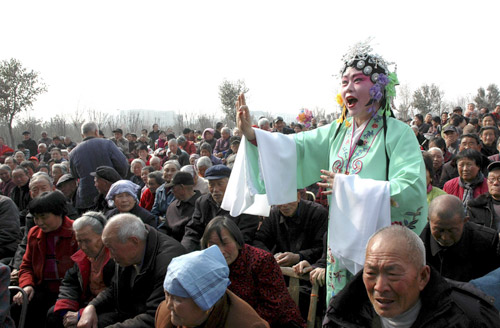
[[240, 315]]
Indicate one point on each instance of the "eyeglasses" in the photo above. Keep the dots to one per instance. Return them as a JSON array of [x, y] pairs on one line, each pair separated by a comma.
[[493, 180]]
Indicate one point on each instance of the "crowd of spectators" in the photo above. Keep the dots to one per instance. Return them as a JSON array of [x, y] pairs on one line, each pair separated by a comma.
[[70, 211]]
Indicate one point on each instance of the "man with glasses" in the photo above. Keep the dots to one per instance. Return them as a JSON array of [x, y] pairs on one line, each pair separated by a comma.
[[485, 209]]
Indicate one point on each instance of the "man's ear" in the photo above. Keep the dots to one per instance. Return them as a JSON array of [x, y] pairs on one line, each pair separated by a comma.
[[423, 277]]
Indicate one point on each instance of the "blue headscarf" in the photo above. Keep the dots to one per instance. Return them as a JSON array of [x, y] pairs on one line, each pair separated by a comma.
[[122, 186], [202, 276]]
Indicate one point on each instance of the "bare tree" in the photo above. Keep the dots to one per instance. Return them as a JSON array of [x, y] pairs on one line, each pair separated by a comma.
[[404, 99]]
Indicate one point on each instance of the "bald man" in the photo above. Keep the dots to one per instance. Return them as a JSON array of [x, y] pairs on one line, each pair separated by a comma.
[[397, 289], [458, 249]]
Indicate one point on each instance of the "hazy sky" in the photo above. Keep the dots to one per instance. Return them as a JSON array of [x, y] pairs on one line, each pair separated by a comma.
[[173, 55]]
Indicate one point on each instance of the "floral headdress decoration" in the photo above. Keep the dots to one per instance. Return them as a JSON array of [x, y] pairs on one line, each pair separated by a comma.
[[361, 57], [305, 117]]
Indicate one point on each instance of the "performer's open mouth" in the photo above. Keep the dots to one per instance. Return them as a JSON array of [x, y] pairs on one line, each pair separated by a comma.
[[351, 101]]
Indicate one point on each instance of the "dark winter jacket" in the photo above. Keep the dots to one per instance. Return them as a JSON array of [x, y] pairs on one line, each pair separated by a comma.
[[142, 213], [481, 211]]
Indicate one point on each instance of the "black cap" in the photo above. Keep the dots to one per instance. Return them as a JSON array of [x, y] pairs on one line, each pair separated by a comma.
[[181, 178], [278, 118], [217, 172], [120, 131], [65, 178], [450, 128], [107, 173], [493, 166], [26, 132]]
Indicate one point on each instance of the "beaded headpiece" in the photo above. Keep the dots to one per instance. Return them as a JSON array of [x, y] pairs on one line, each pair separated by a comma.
[[361, 57]]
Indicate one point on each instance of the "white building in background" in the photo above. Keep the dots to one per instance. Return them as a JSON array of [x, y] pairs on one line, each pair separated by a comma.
[[164, 118]]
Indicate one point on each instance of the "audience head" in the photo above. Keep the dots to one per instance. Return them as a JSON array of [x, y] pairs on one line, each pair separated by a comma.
[[193, 158], [48, 210], [489, 135], [450, 134], [437, 158], [155, 162], [489, 120], [125, 236], [155, 180], [182, 184], [5, 173], [446, 219], [469, 141], [394, 272], [203, 164], [29, 166], [67, 184], [88, 230], [11, 162], [223, 232], [208, 134], [136, 167], [289, 209], [20, 176], [58, 170], [205, 149], [104, 177], [493, 180], [19, 156], [56, 154], [468, 164], [123, 195], [217, 176], [169, 169], [90, 129], [145, 172]]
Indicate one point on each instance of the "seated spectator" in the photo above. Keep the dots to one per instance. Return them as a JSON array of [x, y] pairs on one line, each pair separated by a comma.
[[200, 184], [471, 182], [143, 153], [451, 135], [7, 183], [209, 206], [35, 162], [11, 162], [193, 158], [144, 177], [56, 143], [123, 196], [136, 168], [432, 192], [407, 293], [458, 249], [202, 165], [21, 192], [153, 135], [485, 209], [181, 210], [10, 231], [439, 142], [19, 156], [280, 126], [232, 152], [182, 156], [48, 256], [489, 120], [161, 141], [437, 165], [155, 162], [56, 155], [142, 255], [58, 170], [222, 144], [44, 139], [317, 271], [255, 276], [120, 141], [206, 150], [209, 138], [186, 145], [435, 128], [67, 184], [43, 168], [104, 177], [29, 166], [5, 319], [164, 195], [30, 144], [489, 136], [68, 143], [293, 232], [91, 273], [496, 157], [155, 180], [196, 294], [4, 150]]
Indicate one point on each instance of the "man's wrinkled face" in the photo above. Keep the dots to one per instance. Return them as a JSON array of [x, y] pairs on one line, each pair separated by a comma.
[[217, 189], [437, 159], [168, 172], [102, 185], [5, 175], [89, 241], [20, 178], [450, 137], [393, 282], [40, 186], [446, 232], [469, 143], [493, 184]]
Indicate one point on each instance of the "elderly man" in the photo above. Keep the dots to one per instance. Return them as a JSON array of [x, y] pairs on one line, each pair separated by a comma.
[[7, 183], [293, 232], [155, 162], [437, 165], [397, 289], [43, 153], [209, 206], [44, 139], [91, 153], [91, 273], [173, 149], [458, 249], [181, 210], [200, 184], [142, 255], [21, 192], [186, 145], [29, 143], [423, 127], [164, 195], [120, 141], [279, 126], [450, 135], [223, 143], [56, 143], [485, 209], [489, 136], [104, 177]]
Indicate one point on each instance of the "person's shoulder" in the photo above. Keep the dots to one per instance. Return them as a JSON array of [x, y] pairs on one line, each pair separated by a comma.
[[480, 233], [480, 201], [241, 314]]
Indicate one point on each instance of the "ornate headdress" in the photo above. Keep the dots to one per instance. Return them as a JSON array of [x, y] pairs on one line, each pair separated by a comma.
[[361, 57]]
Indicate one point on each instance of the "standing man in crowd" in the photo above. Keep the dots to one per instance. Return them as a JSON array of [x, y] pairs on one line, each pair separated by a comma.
[[30, 144], [91, 153]]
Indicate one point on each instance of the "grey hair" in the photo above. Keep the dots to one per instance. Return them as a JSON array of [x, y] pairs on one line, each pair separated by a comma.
[[41, 144], [63, 168], [172, 141], [263, 121], [414, 245], [225, 130], [135, 161], [154, 159], [95, 220], [127, 225], [174, 162], [6, 168], [41, 176], [436, 149], [157, 176], [20, 152], [189, 169], [89, 127], [204, 161]]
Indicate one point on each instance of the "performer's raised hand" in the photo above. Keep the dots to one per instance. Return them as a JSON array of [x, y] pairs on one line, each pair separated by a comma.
[[243, 119]]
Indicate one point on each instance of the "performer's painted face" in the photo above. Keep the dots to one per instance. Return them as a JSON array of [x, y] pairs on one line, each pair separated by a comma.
[[355, 91]]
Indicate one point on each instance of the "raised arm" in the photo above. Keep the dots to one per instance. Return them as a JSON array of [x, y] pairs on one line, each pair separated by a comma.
[[243, 118]]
